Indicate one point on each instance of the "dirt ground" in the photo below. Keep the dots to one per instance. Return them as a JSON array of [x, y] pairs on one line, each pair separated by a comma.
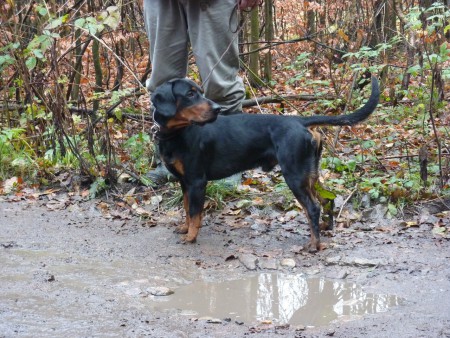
[[67, 270]]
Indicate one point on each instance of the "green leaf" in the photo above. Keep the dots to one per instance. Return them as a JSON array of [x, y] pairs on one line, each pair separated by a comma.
[[118, 114], [324, 193], [80, 22], [351, 165], [42, 11], [446, 29], [414, 70], [46, 42], [55, 23], [392, 209], [439, 231], [6, 60], [112, 18], [38, 54], [368, 144], [31, 62]]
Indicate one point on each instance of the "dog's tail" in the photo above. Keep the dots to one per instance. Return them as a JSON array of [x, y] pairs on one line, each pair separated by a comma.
[[350, 119]]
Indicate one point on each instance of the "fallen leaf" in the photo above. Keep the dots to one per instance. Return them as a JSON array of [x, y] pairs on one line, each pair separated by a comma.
[[142, 212], [439, 231], [10, 184], [409, 224]]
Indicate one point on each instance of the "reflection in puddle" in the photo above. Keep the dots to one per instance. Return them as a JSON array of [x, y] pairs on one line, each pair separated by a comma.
[[280, 298]]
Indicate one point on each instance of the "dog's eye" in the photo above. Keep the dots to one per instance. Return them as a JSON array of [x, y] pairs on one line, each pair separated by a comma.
[[190, 93]]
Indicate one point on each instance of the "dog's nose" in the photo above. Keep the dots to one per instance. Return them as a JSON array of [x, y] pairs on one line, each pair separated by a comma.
[[216, 108]]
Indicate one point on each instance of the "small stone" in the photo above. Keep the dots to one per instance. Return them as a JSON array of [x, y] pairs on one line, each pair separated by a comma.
[[332, 260], [258, 227], [296, 249], [290, 215], [160, 291], [211, 320], [268, 263], [249, 261], [300, 328], [214, 321], [362, 262], [288, 263], [367, 262]]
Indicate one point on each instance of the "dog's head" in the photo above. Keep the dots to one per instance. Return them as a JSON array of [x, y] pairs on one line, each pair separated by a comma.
[[180, 103]]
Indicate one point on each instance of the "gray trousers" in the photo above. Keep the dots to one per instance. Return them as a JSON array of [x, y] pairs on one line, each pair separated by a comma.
[[205, 25]]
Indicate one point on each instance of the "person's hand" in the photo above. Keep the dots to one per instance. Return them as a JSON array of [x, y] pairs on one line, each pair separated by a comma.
[[248, 4]]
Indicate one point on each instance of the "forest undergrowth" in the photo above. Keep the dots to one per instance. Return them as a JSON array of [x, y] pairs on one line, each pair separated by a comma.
[[74, 113]]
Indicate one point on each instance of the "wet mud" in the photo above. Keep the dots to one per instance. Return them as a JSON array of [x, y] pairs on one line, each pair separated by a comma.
[[72, 272]]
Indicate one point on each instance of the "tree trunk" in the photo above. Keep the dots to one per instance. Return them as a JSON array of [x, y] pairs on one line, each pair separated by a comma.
[[269, 39], [254, 45]]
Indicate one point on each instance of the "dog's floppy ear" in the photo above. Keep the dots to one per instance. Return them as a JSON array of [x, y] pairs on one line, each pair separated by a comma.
[[164, 102]]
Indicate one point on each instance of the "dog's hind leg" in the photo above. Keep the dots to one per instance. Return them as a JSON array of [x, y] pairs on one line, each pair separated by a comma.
[[302, 186], [298, 156]]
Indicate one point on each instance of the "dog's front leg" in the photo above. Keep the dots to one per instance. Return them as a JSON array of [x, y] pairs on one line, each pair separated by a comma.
[[196, 199], [183, 228]]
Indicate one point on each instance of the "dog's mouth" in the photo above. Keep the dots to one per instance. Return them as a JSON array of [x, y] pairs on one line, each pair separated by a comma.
[[209, 117], [206, 121]]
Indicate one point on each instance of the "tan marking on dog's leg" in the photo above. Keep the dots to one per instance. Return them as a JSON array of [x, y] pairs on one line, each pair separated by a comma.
[[316, 136], [179, 167], [183, 228], [314, 243], [194, 227]]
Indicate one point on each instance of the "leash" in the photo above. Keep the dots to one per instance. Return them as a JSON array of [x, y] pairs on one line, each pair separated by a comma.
[[157, 133], [239, 28], [155, 129]]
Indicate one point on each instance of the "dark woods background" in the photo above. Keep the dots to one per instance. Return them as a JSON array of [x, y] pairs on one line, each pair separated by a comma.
[[72, 97]]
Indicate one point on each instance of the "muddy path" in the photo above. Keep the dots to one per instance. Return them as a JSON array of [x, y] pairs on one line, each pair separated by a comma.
[[72, 272]]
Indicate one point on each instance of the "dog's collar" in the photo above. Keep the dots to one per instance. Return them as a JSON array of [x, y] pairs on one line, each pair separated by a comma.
[[160, 133], [165, 134], [155, 130]]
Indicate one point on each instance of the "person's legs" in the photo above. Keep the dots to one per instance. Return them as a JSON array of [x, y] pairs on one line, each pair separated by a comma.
[[167, 32], [216, 51]]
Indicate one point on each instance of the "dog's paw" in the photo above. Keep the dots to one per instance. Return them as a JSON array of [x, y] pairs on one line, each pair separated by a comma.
[[188, 239], [315, 246], [181, 229]]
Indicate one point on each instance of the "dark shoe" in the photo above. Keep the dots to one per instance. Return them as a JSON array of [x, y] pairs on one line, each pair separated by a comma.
[[160, 176]]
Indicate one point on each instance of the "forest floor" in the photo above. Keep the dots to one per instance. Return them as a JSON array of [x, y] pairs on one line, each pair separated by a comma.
[[77, 268]]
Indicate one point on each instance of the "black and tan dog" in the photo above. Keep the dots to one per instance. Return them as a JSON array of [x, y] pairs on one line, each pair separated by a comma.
[[197, 145]]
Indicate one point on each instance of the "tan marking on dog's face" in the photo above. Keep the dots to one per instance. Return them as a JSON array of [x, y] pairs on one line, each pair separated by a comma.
[[200, 113]]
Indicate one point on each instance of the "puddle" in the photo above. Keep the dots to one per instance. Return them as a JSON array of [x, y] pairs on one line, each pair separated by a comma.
[[92, 284], [279, 298]]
